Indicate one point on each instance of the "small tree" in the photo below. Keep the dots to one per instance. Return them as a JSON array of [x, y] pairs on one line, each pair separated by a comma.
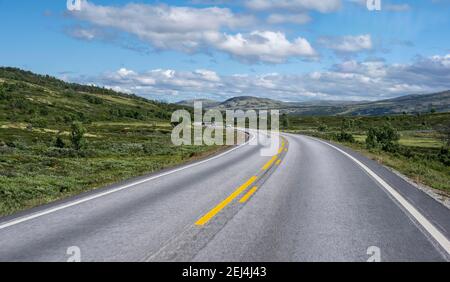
[[384, 137], [344, 135], [371, 139], [59, 143], [285, 121], [322, 127], [77, 135]]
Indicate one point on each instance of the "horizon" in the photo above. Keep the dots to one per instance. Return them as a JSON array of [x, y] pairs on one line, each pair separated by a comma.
[[332, 50], [230, 98]]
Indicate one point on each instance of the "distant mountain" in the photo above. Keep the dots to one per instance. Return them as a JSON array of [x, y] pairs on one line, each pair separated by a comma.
[[439, 102], [324, 103], [206, 103], [248, 102]]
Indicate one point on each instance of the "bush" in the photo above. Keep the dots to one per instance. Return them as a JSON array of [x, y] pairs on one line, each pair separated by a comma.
[[38, 122], [391, 147], [43, 112], [59, 143], [77, 135], [345, 137], [384, 137], [347, 124], [444, 156], [68, 119], [322, 128], [285, 121], [93, 100]]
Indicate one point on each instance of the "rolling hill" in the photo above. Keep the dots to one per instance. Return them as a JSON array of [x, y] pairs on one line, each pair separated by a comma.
[[36, 99], [207, 103], [439, 102]]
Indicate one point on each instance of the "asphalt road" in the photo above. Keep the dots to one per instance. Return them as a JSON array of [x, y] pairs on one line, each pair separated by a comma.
[[313, 202]]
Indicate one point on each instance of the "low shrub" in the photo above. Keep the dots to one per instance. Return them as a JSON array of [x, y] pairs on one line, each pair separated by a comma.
[[385, 137]]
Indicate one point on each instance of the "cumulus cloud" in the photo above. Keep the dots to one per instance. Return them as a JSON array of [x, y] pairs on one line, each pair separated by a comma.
[[323, 6], [349, 80], [266, 46], [348, 44], [163, 26], [193, 30]]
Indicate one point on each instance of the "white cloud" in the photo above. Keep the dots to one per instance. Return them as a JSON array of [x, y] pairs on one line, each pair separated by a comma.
[[140, 18], [300, 18], [81, 33], [397, 7], [266, 46], [323, 6], [348, 44], [367, 80], [192, 30], [165, 27], [208, 75]]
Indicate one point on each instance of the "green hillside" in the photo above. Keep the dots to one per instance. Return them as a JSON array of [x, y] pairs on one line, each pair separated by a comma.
[[37, 99], [44, 155]]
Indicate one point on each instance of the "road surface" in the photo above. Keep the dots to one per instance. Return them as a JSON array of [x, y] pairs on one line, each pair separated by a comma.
[[312, 202]]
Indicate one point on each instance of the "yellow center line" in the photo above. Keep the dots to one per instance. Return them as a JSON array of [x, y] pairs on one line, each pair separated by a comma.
[[207, 217], [269, 163], [278, 162], [280, 150], [248, 195]]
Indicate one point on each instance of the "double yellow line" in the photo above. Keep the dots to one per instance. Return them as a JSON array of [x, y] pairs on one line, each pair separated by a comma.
[[269, 163], [207, 217], [274, 158], [248, 195]]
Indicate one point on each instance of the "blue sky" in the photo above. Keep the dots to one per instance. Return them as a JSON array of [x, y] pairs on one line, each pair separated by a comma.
[[291, 50]]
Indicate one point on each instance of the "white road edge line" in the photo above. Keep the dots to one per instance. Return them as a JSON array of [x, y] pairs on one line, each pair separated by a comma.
[[422, 220], [89, 198]]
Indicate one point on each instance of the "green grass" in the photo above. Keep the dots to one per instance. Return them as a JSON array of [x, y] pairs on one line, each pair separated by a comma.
[[34, 172], [421, 170], [410, 140], [418, 156]]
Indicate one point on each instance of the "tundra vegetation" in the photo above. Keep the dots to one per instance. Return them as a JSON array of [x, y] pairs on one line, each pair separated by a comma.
[[417, 145]]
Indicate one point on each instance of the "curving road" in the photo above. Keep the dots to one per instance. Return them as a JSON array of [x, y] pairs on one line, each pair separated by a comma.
[[313, 202]]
